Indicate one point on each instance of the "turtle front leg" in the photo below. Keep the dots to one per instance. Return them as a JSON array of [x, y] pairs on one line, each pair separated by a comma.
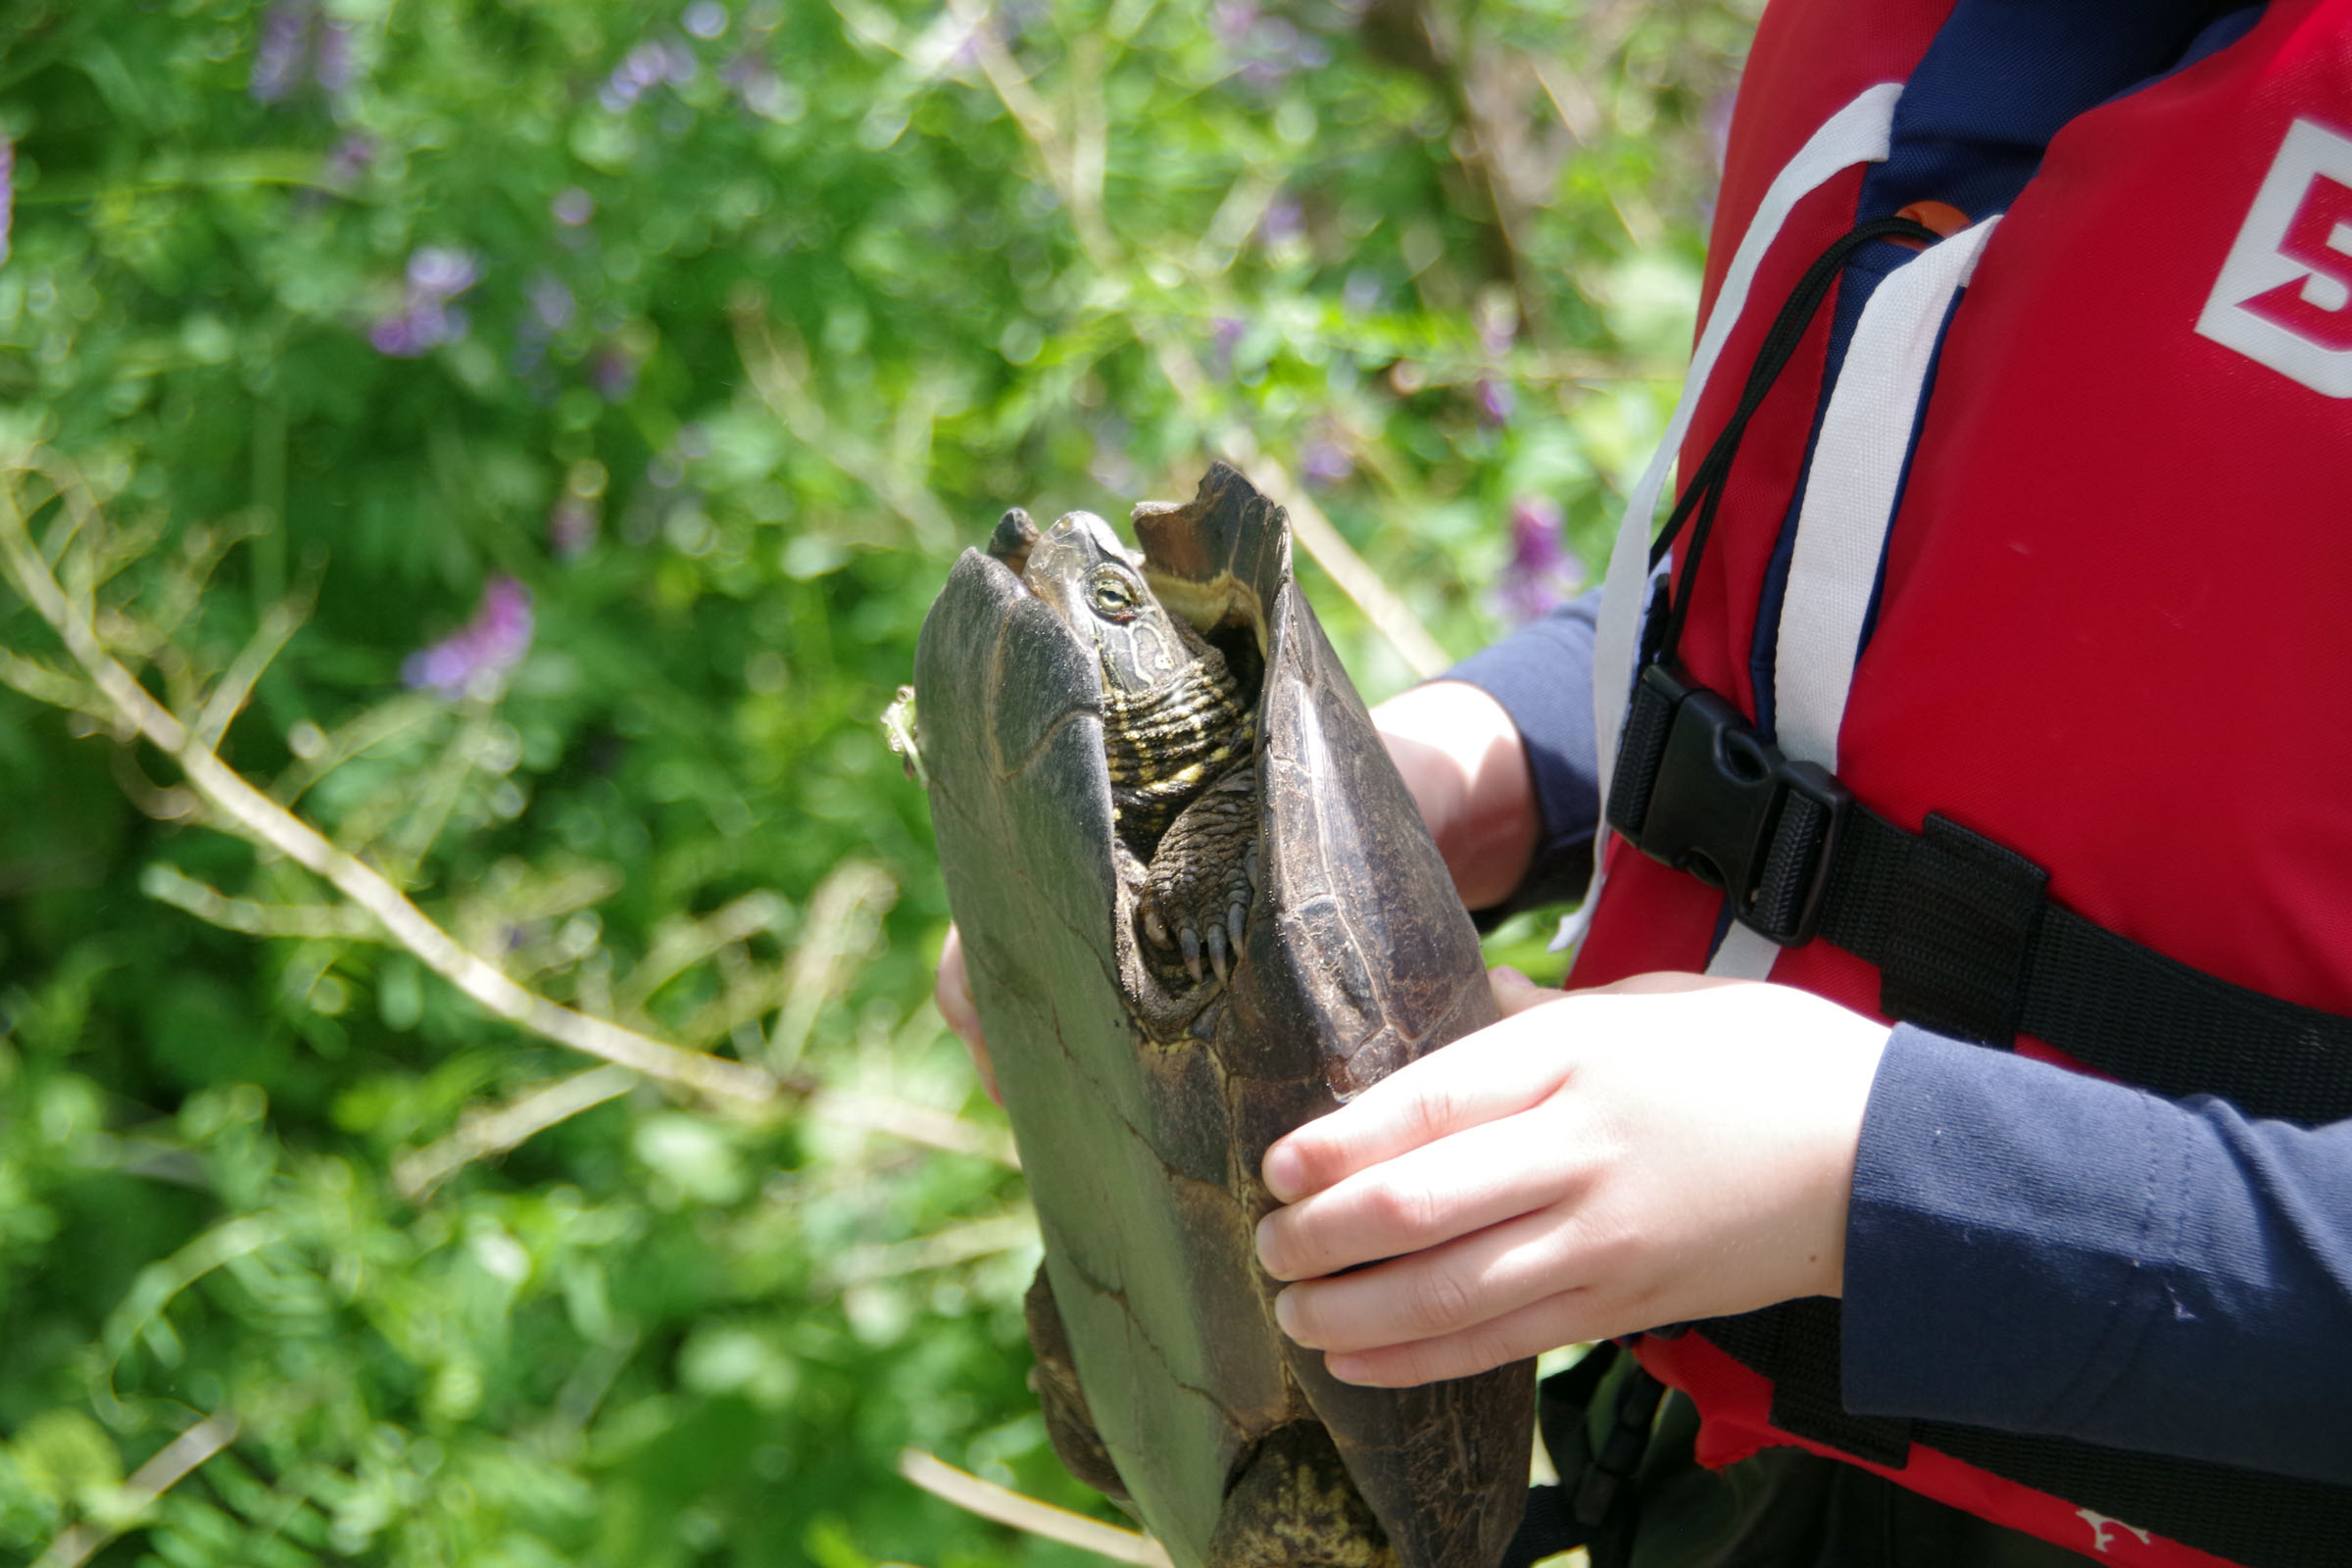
[[1197, 889]]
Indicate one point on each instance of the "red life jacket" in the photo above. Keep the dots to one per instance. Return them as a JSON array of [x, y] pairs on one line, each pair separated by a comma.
[[2109, 629]]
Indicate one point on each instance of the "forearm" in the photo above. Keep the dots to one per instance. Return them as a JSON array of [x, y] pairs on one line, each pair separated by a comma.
[[1500, 756], [2036, 1251], [1463, 759]]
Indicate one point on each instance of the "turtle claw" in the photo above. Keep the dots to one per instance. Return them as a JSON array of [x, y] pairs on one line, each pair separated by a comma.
[[1216, 949], [1190, 941], [1234, 917], [1155, 928]]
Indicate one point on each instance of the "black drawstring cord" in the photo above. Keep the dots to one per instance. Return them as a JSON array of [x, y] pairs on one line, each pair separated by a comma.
[[1705, 490]]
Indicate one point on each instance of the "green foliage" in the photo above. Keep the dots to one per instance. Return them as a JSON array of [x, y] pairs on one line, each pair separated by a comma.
[[719, 327]]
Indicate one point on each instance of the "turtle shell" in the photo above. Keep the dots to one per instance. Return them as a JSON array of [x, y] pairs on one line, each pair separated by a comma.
[[1141, 1117]]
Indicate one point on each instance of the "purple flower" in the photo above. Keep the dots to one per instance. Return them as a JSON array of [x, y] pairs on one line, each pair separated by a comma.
[[578, 514], [442, 271], [612, 372], [349, 159], [298, 43], [1225, 335], [1268, 49], [706, 19], [8, 192], [552, 302], [436, 274], [761, 89], [280, 54], [572, 525], [1325, 461], [644, 68], [1496, 400], [476, 658], [1542, 571], [400, 336], [334, 68], [624, 87], [572, 207], [1283, 220]]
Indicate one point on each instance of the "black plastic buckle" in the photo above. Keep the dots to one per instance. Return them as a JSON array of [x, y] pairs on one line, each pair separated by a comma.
[[1712, 798]]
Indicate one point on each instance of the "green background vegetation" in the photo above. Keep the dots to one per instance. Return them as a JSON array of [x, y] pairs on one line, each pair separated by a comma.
[[717, 328]]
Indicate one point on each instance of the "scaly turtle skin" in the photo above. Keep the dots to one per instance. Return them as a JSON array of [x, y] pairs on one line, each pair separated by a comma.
[[1179, 741], [1142, 1094]]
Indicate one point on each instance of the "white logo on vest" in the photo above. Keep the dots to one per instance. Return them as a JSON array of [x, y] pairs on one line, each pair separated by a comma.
[[2102, 1529], [2285, 296]]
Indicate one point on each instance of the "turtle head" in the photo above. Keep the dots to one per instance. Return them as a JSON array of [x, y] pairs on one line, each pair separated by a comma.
[[1096, 587]]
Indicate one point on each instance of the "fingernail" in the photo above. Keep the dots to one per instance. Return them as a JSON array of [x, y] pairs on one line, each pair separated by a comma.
[[1285, 1172], [1348, 1368], [1503, 971], [1286, 1315], [1265, 1246]]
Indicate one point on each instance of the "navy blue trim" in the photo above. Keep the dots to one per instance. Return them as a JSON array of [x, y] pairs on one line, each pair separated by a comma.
[[2004, 76], [2217, 36], [1999, 80]]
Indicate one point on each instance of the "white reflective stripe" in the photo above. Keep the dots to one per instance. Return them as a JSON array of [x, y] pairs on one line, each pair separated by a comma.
[[1841, 527], [1744, 954], [1858, 133]]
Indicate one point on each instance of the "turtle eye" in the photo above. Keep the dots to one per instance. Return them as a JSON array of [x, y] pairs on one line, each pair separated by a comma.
[[1114, 595]]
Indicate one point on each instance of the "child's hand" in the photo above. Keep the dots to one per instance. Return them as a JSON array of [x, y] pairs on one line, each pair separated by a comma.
[[1600, 1162]]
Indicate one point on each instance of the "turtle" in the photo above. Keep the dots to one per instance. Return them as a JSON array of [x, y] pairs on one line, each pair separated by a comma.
[[1063, 681], [1178, 742]]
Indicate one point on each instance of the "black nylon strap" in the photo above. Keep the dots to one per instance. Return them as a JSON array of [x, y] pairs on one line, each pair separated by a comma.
[[1963, 932], [1563, 1515], [1546, 1529], [2263, 1521], [1795, 1345], [1969, 945]]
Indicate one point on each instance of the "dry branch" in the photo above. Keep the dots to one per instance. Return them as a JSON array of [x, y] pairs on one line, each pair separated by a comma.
[[166, 884], [171, 1465], [264, 821], [915, 1124], [482, 1133], [1025, 1513], [486, 1132], [229, 698], [844, 915]]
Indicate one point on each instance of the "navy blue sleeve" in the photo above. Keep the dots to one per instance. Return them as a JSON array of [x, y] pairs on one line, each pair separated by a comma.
[[2036, 1251], [1542, 676]]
